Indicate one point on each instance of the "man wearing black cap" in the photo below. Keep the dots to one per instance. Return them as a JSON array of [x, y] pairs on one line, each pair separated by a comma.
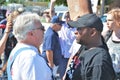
[[93, 62]]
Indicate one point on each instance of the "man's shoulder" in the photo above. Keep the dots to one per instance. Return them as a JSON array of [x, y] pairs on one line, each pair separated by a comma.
[[49, 31], [96, 54], [96, 50]]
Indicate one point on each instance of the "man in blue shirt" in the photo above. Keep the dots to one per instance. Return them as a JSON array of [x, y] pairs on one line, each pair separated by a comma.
[[51, 45]]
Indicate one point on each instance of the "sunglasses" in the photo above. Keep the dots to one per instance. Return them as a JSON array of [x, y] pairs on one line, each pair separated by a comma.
[[41, 28]]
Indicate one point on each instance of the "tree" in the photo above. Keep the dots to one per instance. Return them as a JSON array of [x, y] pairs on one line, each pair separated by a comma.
[[2, 2], [59, 2], [107, 2], [114, 3], [13, 1]]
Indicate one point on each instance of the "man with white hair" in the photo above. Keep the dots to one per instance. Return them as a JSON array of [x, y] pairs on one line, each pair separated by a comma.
[[25, 61]]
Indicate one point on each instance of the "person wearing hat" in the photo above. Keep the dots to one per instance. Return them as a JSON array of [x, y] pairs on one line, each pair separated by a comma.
[[11, 40], [51, 49], [93, 61], [66, 37]]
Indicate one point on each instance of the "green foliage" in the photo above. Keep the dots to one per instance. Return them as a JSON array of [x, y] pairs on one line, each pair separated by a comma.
[[16, 1], [13, 1], [2, 2], [107, 2], [64, 2], [114, 3], [59, 2]]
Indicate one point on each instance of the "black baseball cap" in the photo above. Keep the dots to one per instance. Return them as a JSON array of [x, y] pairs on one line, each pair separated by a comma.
[[88, 20]]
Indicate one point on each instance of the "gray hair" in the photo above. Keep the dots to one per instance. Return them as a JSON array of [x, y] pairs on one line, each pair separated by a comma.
[[23, 24]]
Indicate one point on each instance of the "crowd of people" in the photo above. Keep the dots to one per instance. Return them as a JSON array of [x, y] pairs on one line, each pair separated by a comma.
[[71, 50]]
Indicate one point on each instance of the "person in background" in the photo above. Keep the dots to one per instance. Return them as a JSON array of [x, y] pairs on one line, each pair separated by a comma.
[[51, 49], [2, 13], [49, 13], [113, 43], [4, 21], [47, 16], [66, 37], [11, 41], [25, 61], [73, 49], [62, 65], [6, 34], [93, 62], [52, 9], [4, 38]]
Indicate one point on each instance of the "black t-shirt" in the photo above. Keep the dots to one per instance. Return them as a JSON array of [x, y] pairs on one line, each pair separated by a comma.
[[93, 64]]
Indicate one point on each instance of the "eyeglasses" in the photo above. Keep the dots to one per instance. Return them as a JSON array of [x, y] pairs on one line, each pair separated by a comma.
[[41, 28]]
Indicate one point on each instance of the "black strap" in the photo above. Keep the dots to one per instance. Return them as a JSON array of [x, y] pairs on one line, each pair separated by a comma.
[[108, 35]]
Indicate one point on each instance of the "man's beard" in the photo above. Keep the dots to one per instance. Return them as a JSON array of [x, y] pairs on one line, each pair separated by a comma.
[[80, 42]]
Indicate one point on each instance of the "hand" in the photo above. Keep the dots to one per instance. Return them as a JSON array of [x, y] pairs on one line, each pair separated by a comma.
[[9, 23], [8, 26]]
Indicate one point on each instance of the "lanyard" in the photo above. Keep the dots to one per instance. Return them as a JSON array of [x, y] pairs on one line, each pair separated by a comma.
[[11, 60]]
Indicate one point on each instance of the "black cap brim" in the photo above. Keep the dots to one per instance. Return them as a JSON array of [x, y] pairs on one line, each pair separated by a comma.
[[75, 24]]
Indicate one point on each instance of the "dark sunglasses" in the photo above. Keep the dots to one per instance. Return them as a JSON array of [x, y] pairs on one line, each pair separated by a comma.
[[41, 28]]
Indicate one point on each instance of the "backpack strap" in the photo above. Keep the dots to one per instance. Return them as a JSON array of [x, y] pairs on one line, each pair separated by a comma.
[[108, 35], [11, 60], [74, 63]]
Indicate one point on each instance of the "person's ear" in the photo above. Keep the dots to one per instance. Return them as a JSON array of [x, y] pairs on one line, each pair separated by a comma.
[[93, 31]]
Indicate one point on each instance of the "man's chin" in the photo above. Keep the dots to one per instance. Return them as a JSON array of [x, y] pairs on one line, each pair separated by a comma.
[[78, 42]]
